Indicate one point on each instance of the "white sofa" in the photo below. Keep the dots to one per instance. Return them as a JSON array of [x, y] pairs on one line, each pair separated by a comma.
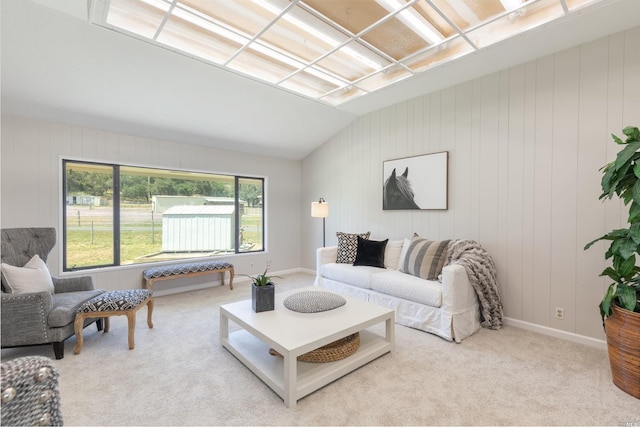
[[448, 308]]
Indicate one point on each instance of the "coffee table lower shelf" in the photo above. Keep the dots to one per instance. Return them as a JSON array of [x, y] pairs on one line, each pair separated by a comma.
[[254, 354]]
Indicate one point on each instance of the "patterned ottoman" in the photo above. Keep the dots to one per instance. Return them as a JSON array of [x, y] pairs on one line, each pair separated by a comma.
[[114, 303]]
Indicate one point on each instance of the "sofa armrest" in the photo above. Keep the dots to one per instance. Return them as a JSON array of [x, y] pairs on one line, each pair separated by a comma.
[[24, 318], [72, 284], [457, 293], [325, 256]]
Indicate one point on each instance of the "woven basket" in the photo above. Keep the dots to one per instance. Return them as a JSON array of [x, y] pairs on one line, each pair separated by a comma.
[[336, 350], [623, 342]]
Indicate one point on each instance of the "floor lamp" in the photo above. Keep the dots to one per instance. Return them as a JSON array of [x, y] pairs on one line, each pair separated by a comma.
[[320, 209]]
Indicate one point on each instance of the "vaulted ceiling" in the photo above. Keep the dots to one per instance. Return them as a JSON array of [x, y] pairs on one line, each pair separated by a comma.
[[285, 84]]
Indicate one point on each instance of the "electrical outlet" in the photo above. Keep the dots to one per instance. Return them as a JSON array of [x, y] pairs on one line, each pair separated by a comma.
[[251, 265], [560, 313]]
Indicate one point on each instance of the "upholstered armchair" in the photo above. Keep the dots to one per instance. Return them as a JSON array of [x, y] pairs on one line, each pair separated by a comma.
[[40, 316]]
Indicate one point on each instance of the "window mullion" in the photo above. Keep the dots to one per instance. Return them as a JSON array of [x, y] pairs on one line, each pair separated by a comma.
[[116, 215]]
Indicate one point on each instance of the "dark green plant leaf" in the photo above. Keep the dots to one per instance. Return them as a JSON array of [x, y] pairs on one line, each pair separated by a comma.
[[632, 132], [627, 297], [634, 212], [612, 235], [617, 140], [626, 268], [608, 187], [605, 305], [636, 170], [634, 233], [627, 153], [611, 273], [627, 248], [636, 191]]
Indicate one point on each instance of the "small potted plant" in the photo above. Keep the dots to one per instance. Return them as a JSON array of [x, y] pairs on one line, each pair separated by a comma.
[[620, 307], [262, 292]]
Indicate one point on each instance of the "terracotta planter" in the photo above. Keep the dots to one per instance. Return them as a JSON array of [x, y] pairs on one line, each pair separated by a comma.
[[623, 342], [263, 297]]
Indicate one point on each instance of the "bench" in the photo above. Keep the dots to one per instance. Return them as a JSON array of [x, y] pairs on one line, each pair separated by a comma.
[[174, 271]]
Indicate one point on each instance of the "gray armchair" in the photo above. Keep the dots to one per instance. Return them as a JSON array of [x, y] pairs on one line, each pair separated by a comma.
[[40, 317]]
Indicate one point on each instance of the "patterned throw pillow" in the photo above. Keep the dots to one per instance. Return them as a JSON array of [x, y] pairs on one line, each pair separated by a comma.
[[425, 258], [348, 246]]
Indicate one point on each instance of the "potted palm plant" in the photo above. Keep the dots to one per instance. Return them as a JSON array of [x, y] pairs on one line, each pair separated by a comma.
[[262, 292], [620, 307]]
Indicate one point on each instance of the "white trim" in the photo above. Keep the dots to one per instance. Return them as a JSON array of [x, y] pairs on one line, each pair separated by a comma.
[[569, 336]]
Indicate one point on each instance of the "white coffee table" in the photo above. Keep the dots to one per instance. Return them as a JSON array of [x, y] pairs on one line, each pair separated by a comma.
[[292, 334]]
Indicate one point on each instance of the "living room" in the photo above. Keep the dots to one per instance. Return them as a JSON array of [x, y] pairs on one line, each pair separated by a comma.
[[525, 143]]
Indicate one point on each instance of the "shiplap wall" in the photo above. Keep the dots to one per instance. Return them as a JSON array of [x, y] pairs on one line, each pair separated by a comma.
[[525, 145], [31, 154]]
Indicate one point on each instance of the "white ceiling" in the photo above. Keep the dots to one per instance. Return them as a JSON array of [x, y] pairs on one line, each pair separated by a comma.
[[57, 66]]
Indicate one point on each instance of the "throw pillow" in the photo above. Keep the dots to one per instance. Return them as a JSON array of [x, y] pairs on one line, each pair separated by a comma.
[[425, 258], [370, 252], [403, 253], [33, 277], [348, 246]]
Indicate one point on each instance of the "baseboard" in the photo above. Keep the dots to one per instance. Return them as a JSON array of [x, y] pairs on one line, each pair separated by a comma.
[[569, 336]]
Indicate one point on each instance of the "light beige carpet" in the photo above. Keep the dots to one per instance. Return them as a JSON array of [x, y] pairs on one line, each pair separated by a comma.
[[178, 374]]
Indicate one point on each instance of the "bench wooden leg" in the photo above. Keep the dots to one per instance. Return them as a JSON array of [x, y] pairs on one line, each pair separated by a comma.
[[231, 274], [131, 319], [77, 326], [149, 312]]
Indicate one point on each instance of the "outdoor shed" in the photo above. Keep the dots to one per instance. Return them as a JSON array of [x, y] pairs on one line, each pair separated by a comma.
[[198, 228]]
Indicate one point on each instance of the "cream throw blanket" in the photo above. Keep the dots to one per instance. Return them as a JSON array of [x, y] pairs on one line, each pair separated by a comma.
[[482, 274]]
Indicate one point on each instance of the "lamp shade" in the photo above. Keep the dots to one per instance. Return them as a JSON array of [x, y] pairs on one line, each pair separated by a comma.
[[319, 209]]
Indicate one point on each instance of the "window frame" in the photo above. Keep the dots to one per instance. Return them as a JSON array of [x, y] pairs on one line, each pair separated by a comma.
[[116, 210]]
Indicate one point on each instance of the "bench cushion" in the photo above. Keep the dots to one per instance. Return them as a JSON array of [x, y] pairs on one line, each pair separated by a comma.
[[116, 301], [185, 268]]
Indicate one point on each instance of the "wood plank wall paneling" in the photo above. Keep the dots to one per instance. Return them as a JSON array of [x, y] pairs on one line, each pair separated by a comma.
[[525, 145]]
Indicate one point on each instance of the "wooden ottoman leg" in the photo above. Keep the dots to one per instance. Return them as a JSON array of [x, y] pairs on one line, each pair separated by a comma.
[[149, 312], [131, 318], [231, 274], [106, 324], [77, 326]]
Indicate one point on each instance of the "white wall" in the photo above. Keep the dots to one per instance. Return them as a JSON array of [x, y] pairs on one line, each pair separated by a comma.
[[525, 145], [31, 154]]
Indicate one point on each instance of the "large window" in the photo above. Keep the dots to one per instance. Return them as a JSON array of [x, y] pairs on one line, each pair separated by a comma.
[[118, 215]]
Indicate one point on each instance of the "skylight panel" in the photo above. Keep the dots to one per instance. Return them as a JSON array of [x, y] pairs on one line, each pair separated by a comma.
[[139, 17], [329, 50], [516, 22]]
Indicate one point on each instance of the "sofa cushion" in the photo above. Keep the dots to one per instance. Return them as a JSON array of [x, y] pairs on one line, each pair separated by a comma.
[[65, 305], [347, 273], [348, 246], [425, 258], [406, 286], [370, 252]]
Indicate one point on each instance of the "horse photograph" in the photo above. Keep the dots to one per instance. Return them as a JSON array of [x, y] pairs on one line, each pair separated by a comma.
[[418, 182]]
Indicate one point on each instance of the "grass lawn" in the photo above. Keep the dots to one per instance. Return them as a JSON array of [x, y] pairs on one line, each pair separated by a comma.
[[90, 235]]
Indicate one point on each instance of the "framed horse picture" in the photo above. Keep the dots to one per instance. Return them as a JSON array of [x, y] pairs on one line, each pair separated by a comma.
[[418, 182]]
